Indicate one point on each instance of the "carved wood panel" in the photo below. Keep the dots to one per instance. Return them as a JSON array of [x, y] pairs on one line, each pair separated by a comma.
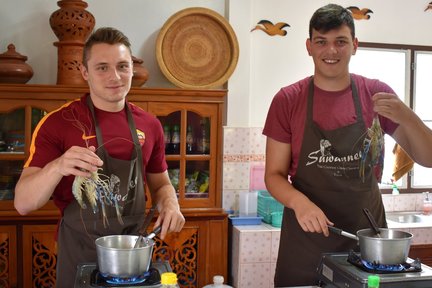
[[40, 255], [8, 256], [197, 253]]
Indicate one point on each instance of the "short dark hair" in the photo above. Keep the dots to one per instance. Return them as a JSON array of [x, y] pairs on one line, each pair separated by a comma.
[[330, 17], [106, 35]]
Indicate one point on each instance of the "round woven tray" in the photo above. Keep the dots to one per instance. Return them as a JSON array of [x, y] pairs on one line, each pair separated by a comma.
[[197, 48]]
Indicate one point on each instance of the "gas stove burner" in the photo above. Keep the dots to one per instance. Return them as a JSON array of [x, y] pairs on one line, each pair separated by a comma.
[[373, 267], [151, 277]]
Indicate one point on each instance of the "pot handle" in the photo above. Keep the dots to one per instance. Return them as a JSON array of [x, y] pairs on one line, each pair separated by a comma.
[[156, 231], [372, 221], [341, 232]]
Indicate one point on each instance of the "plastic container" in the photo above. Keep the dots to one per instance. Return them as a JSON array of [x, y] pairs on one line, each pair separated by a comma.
[[373, 281], [169, 280], [249, 220], [427, 204], [267, 205], [256, 178], [218, 282], [276, 219], [248, 203]]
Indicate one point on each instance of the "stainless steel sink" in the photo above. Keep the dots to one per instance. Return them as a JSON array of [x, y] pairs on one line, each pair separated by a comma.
[[408, 217]]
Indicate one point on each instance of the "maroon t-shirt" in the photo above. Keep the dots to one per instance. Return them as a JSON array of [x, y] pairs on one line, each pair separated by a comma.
[[331, 109], [72, 125]]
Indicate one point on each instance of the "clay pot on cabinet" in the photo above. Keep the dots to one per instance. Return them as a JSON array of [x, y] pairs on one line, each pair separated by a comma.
[[140, 73], [13, 68]]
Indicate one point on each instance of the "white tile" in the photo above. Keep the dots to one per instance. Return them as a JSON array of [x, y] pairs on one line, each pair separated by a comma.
[[272, 273], [421, 236], [255, 275], [388, 202], [235, 251], [230, 199], [255, 247], [404, 202], [236, 175], [236, 141], [257, 141], [274, 245]]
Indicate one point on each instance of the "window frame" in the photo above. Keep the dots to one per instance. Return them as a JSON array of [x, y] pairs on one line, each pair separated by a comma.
[[411, 50]]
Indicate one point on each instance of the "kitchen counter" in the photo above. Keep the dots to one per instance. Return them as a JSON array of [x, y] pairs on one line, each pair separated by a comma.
[[254, 250]]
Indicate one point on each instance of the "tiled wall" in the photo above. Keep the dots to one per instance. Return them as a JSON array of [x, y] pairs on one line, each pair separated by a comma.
[[244, 148], [244, 154], [254, 248]]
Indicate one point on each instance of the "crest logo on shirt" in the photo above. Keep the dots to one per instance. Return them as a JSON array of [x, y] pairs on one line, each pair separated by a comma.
[[141, 137]]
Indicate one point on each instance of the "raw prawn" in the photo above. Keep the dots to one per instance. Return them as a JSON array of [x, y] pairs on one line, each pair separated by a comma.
[[98, 188], [373, 144]]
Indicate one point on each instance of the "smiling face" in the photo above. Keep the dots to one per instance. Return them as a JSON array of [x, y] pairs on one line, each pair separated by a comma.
[[109, 72], [331, 52]]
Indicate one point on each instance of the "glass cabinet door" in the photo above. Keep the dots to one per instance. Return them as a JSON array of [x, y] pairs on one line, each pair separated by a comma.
[[17, 123], [190, 135]]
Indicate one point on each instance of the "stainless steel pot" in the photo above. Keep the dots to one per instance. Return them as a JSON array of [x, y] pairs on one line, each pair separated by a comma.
[[117, 256], [388, 247]]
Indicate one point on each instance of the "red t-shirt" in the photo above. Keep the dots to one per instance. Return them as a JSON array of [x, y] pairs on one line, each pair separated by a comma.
[[72, 123], [287, 114]]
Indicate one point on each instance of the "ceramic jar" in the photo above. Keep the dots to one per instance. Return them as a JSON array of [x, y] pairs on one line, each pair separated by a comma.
[[140, 73], [13, 68]]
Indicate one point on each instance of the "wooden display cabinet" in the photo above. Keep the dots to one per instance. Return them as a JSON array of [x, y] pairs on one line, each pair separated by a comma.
[[423, 252], [197, 253]]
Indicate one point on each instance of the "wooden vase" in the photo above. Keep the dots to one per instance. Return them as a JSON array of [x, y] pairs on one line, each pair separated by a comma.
[[72, 25], [13, 68]]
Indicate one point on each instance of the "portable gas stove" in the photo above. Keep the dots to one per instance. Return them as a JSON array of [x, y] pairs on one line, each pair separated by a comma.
[[89, 276], [341, 270]]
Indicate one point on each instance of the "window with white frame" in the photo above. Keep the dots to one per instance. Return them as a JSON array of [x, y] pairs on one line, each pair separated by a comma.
[[408, 70]]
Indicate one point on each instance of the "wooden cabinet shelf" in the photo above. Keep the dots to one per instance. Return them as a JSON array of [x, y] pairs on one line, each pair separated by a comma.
[[26, 238]]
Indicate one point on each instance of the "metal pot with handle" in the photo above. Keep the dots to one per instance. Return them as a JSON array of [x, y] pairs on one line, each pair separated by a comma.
[[380, 245], [389, 247], [119, 256]]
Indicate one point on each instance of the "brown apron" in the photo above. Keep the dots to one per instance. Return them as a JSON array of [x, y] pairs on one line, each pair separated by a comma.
[[328, 174], [79, 227]]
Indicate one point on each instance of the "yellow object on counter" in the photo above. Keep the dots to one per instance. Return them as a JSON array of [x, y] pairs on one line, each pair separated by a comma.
[[169, 280]]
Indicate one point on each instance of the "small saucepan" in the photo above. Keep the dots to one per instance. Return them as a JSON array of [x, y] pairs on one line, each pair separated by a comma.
[[389, 247], [118, 257]]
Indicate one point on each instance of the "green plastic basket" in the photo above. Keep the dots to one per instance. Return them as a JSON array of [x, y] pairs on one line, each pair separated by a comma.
[[267, 205]]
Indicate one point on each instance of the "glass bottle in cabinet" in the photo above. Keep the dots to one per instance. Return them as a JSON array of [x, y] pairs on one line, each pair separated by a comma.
[[175, 140], [167, 138], [192, 168], [190, 143]]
